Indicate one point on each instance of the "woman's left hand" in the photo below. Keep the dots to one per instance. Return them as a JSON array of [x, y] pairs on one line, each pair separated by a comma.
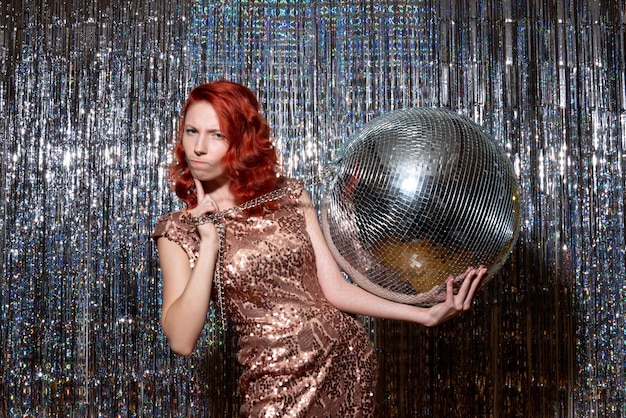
[[462, 301]]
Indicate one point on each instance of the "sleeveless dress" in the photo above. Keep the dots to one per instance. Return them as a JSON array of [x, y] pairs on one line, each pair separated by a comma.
[[301, 356]]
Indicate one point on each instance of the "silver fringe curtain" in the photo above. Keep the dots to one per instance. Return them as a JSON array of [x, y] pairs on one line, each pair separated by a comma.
[[89, 96]]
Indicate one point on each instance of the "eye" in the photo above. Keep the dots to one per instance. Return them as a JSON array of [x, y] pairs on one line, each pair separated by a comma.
[[219, 135], [190, 131]]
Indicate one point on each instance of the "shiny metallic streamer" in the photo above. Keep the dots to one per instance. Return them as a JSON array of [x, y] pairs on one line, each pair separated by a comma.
[[89, 96]]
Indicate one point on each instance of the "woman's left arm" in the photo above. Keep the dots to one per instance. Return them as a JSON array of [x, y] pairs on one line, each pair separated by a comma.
[[353, 299]]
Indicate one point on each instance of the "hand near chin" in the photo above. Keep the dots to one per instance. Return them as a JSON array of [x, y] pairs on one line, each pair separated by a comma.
[[462, 301], [206, 205]]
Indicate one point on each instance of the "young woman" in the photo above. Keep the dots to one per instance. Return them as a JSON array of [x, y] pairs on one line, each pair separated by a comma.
[[251, 240]]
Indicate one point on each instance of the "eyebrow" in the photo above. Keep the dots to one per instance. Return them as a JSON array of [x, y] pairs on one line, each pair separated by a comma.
[[191, 125]]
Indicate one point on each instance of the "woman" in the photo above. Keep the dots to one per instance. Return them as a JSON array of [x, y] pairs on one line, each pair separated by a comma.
[[264, 259]]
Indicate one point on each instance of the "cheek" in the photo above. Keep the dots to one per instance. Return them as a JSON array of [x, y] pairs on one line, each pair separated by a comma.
[[186, 146], [220, 151]]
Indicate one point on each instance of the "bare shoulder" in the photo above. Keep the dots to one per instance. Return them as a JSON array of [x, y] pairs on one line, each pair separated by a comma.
[[308, 208], [305, 197]]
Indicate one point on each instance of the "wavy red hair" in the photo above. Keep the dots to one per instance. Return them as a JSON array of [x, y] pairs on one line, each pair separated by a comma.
[[250, 162]]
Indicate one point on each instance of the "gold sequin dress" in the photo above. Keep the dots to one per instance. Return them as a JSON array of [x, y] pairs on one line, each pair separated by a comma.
[[301, 356]]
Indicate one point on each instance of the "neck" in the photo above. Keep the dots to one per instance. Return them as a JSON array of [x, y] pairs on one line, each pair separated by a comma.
[[220, 193]]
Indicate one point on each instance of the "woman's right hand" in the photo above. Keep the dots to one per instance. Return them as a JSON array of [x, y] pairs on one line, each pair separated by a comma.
[[205, 205]]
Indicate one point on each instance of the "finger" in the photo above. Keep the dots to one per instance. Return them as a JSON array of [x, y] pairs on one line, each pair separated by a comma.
[[481, 276], [456, 300], [476, 282], [468, 277], [199, 189], [450, 290]]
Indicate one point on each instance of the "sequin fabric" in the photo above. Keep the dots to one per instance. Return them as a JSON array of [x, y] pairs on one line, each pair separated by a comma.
[[301, 356]]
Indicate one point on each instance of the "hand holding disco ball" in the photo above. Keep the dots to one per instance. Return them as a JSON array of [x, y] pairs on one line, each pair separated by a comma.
[[417, 196]]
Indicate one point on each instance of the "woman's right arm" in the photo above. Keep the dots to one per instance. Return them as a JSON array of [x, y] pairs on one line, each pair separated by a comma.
[[186, 291]]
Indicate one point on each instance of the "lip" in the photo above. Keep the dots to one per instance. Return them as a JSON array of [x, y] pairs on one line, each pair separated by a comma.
[[197, 162]]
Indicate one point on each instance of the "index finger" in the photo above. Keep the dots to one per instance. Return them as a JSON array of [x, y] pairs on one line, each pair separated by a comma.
[[199, 189]]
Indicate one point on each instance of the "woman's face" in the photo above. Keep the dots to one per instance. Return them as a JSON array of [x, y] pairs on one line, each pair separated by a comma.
[[204, 143]]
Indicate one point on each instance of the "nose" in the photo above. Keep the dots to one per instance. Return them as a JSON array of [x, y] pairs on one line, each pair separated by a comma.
[[200, 147]]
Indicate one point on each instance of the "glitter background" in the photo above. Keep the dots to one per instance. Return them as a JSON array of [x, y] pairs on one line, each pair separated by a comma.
[[89, 96]]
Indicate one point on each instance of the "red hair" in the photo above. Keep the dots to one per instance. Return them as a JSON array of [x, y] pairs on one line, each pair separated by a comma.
[[250, 162]]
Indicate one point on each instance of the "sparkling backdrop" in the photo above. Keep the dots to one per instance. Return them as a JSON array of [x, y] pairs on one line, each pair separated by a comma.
[[89, 96]]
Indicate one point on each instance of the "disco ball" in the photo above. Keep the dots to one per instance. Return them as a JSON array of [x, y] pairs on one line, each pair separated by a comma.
[[417, 196]]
